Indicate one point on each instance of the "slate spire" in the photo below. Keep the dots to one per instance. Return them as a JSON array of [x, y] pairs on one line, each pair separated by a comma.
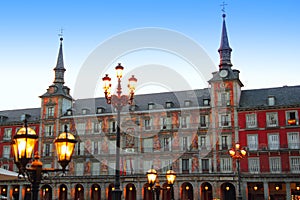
[[224, 50], [59, 69]]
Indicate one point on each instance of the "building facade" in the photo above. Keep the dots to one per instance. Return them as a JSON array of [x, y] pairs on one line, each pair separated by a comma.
[[190, 131]]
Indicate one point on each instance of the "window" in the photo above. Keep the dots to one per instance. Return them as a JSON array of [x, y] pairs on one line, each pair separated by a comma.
[[251, 121], [293, 140], [225, 142], [148, 123], [80, 127], [47, 149], [50, 111], [185, 143], [252, 141], [79, 148], [295, 164], [96, 147], [224, 99], [95, 168], [100, 110], [69, 112], [203, 121], [273, 140], [7, 134], [97, 126], [185, 120], [84, 111], [205, 165], [147, 165], [169, 104], [112, 126], [253, 164], [148, 145], [225, 120], [187, 103], [272, 119], [271, 101], [275, 165], [291, 118], [6, 151], [79, 169], [49, 130], [166, 122], [226, 164], [167, 144], [206, 102], [202, 142], [5, 166], [150, 106], [185, 166]]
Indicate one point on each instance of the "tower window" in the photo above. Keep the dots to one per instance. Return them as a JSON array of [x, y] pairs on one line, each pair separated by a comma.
[[50, 111]]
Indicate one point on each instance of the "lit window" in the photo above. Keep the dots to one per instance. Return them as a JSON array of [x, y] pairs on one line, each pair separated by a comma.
[[292, 118]]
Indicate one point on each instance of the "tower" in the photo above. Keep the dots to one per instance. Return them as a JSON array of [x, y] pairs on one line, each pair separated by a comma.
[[54, 103], [225, 96]]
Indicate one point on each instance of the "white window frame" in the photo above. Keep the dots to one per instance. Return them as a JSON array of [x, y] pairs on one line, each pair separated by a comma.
[[272, 119], [225, 120], [49, 130], [252, 141], [251, 120], [7, 134], [254, 165], [6, 151], [184, 121], [226, 165], [148, 145], [275, 164], [147, 123], [203, 121], [295, 164], [293, 140], [273, 141]]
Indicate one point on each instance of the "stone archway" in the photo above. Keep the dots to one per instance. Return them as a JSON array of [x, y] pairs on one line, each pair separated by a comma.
[[228, 191], [46, 192], [130, 192], [95, 192], [187, 191], [79, 192], [206, 191], [63, 192]]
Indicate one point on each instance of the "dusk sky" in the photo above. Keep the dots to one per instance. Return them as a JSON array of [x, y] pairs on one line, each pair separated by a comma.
[[263, 34]]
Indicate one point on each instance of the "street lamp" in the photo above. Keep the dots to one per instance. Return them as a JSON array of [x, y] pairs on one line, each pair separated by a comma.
[[23, 144], [152, 177], [171, 176], [238, 153], [118, 101]]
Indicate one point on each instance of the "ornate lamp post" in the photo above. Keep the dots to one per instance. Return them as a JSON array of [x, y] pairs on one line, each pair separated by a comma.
[[23, 146], [118, 101], [171, 176], [238, 153], [151, 177]]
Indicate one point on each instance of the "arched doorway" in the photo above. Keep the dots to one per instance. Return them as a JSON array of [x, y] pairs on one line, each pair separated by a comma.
[[166, 194], [95, 192], [187, 191], [206, 191], [63, 192], [228, 191], [255, 191], [130, 192], [110, 188], [148, 192], [16, 192], [46, 192], [79, 192], [27, 192]]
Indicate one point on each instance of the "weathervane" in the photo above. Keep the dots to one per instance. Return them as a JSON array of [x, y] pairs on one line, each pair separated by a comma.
[[223, 7]]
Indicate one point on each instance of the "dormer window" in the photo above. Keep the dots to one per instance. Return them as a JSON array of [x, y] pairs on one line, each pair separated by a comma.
[[132, 107], [206, 102], [271, 101], [69, 112], [84, 111], [169, 104], [187, 103], [150, 106], [100, 110]]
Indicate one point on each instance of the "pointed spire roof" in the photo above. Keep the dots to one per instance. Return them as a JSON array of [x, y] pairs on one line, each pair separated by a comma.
[[59, 69], [224, 50]]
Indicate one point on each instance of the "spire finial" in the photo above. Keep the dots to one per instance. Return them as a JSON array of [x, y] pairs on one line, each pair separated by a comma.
[[61, 34]]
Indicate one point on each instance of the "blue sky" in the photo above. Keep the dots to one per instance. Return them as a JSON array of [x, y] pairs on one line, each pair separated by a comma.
[[264, 36]]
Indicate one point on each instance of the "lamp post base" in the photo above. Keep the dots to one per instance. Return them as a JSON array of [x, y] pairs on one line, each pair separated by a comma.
[[116, 194]]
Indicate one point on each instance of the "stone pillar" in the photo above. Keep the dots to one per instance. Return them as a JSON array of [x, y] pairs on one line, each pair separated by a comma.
[[288, 190], [9, 192], [244, 190], [139, 188], [21, 192], [266, 190]]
